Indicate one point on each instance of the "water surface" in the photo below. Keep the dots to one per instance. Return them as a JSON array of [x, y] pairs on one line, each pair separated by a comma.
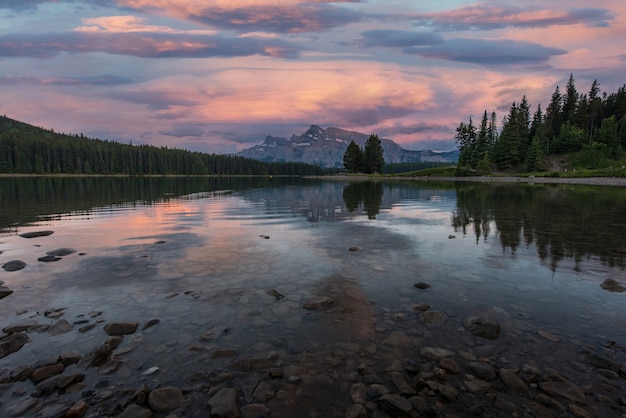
[[204, 256]]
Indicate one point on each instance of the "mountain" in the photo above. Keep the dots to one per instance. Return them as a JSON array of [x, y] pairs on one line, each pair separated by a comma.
[[325, 148]]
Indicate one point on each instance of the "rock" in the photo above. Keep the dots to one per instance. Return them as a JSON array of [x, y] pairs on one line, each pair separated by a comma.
[[612, 286], [110, 366], [11, 343], [69, 357], [36, 234], [250, 364], [14, 265], [273, 292], [421, 307], [23, 326], [21, 406], [48, 259], [450, 366], [311, 306], [356, 411], [436, 354], [512, 380], [255, 410], [150, 323], [482, 370], [46, 372], [263, 392], [4, 291], [60, 327], [433, 318], [548, 336], [449, 392], [354, 248], [224, 404], [565, 390], [165, 399], [397, 339], [61, 252], [474, 385], [401, 383], [77, 410], [483, 327], [395, 405], [97, 357], [602, 362], [421, 285], [135, 411], [224, 352], [120, 328], [357, 393]]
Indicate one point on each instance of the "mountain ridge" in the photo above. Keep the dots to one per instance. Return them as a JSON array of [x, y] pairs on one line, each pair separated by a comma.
[[326, 147]]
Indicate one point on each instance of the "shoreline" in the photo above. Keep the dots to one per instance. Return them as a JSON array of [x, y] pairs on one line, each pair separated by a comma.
[[590, 181]]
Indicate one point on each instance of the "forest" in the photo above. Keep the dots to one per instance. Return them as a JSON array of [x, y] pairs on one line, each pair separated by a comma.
[[588, 125], [26, 149]]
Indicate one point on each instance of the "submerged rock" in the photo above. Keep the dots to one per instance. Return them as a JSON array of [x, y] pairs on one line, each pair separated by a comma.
[[611, 285], [12, 343], [14, 265], [4, 292], [483, 327], [61, 252], [48, 259], [36, 234], [121, 328]]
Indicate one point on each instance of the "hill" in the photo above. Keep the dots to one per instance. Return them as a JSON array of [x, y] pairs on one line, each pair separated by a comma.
[[326, 147], [27, 149]]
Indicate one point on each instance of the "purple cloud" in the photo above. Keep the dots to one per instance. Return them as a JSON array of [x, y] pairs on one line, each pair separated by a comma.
[[96, 80], [143, 45], [397, 38], [487, 52], [490, 17]]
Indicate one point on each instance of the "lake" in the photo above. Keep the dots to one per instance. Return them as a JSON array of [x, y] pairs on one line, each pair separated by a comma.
[[303, 297]]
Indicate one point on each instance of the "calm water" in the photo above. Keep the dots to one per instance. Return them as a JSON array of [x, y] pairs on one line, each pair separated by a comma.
[[194, 254]]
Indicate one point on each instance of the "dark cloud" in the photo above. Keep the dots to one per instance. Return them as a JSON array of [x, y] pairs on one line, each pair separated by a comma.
[[97, 80], [397, 38], [143, 45], [296, 18], [419, 128], [487, 52], [154, 101], [186, 130], [489, 17]]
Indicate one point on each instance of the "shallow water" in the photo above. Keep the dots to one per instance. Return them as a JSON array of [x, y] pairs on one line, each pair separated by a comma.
[[202, 256]]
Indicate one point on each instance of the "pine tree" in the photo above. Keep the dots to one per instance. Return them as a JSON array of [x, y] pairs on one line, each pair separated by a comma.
[[373, 155], [353, 158]]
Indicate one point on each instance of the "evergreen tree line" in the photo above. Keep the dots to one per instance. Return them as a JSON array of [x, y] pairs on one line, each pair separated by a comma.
[[28, 149], [592, 123], [369, 160]]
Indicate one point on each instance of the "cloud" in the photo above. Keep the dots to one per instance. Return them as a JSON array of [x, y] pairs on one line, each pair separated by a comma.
[[143, 45], [289, 16], [487, 52], [186, 130], [95, 80], [397, 38], [489, 17]]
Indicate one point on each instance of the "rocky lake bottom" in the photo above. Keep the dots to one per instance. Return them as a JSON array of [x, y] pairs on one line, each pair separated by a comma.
[[270, 320]]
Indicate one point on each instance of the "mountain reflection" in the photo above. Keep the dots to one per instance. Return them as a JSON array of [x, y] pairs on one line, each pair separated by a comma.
[[575, 222]]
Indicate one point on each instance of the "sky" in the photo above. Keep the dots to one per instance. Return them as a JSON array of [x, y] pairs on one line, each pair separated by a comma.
[[218, 76]]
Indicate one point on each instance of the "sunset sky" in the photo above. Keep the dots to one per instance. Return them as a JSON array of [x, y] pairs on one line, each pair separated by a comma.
[[219, 75]]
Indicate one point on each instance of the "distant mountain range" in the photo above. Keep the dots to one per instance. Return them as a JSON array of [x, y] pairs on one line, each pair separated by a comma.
[[326, 147]]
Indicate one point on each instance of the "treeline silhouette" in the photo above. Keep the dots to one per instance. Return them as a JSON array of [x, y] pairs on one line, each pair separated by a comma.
[[26, 149], [591, 124]]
